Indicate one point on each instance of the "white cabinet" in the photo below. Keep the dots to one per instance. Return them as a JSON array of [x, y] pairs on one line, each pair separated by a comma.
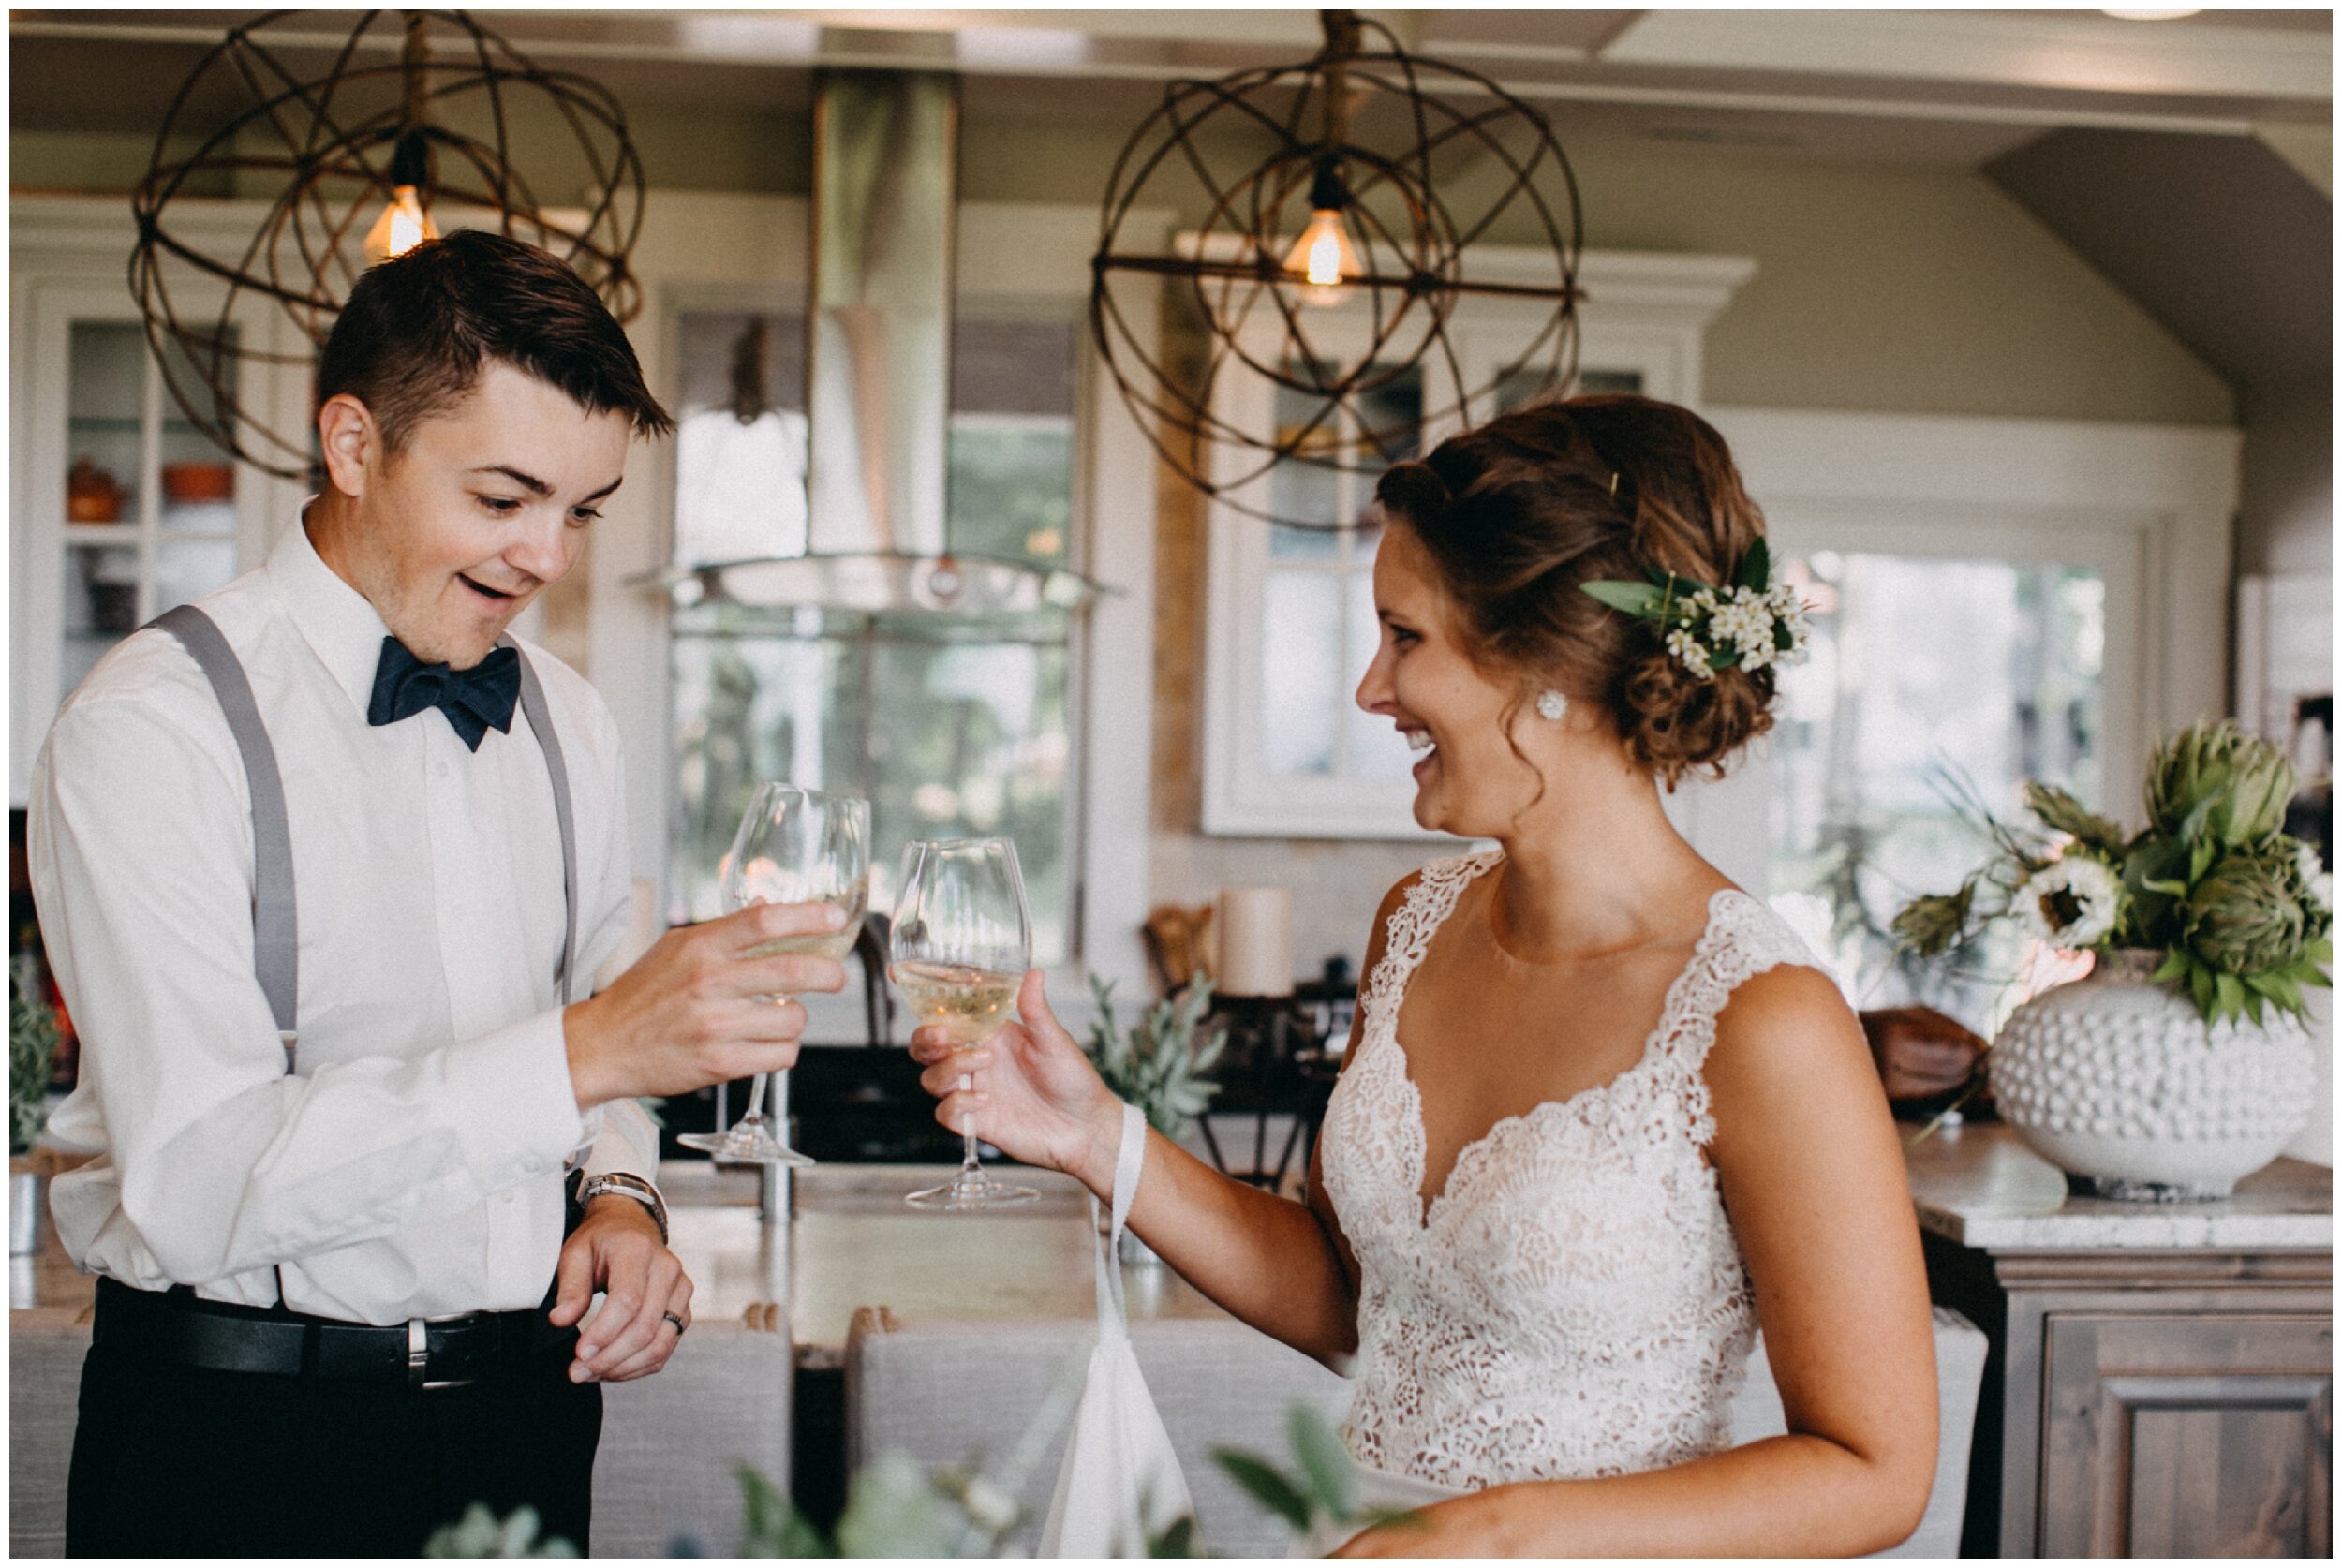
[[119, 506]]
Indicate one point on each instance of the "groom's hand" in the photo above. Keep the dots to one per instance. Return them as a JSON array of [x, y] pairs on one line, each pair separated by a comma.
[[615, 1250]]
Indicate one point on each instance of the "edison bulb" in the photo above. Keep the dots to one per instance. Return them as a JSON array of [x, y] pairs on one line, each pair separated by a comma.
[[403, 225], [1324, 256]]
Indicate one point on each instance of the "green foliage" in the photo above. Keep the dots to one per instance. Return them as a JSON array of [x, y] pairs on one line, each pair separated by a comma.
[[1935, 922], [2211, 883], [1156, 1065], [2066, 815], [1178, 1541], [1645, 602], [1268, 1486], [2213, 779], [480, 1533], [1326, 1487], [32, 1059], [1333, 1476], [893, 1509]]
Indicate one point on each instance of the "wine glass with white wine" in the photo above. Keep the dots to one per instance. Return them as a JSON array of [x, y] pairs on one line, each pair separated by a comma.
[[794, 847], [962, 941]]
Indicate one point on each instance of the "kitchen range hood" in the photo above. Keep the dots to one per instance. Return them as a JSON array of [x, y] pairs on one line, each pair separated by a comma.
[[877, 383]]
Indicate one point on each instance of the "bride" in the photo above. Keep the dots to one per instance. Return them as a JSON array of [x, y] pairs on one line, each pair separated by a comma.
[[1600, 1119]]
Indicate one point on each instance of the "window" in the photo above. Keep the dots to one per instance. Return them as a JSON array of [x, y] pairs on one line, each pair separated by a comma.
[[951, 725], [1929, 677], [1292, 625]]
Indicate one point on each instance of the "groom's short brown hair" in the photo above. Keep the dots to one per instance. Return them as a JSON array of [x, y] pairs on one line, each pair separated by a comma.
[[418, 328]]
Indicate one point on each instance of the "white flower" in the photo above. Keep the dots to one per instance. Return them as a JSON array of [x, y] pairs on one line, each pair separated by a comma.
[[2314, 877], [1789, 611], [1745, 620], [1691, 651], [2072, 903]]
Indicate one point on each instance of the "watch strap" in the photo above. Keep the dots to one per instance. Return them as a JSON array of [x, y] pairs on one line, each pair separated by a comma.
[[628, 1184]]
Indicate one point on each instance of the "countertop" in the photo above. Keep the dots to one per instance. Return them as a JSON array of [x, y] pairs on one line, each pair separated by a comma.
[[1980, 1186], [852, 1244]]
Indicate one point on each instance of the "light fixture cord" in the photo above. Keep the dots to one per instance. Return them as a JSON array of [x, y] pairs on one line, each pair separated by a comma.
[[1341, 46], [414, 66]]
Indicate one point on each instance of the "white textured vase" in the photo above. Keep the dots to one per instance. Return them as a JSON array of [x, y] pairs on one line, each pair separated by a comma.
[[2119, 1083]]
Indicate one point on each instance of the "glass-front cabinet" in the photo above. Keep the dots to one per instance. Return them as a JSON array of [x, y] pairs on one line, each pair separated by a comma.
[[120, 507]]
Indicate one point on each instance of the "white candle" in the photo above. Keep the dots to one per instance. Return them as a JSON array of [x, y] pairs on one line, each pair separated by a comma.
[[1255, 932]]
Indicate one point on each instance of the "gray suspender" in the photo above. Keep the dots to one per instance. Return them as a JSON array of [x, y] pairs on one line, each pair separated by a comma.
[[275, 919], [541, 724], [276, 930]]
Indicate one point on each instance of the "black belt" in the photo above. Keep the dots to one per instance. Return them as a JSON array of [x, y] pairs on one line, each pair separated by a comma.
[[177, 1326]]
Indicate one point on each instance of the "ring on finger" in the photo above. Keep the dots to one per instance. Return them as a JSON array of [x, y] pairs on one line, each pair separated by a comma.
[[679, 1324]]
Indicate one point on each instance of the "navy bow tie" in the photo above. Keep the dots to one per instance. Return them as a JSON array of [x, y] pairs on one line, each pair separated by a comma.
[[475, 700]]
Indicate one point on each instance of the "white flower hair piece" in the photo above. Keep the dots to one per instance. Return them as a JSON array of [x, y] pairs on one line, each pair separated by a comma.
[[2072, 903], [1752, 623]]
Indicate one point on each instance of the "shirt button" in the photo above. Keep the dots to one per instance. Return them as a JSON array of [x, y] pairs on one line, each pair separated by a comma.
[[440, 769]]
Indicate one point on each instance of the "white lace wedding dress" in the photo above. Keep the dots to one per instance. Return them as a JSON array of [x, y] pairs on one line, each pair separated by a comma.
[[1573, 1304]]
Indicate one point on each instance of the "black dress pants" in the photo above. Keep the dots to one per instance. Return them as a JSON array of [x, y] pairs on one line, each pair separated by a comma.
[[179, 1461]]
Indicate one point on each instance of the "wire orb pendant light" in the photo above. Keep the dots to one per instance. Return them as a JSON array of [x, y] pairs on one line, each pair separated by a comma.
[[1331, 266], [354, 163]]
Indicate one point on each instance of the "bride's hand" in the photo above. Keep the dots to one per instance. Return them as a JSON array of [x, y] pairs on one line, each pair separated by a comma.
[[1035, 1096], [1475, 1525]]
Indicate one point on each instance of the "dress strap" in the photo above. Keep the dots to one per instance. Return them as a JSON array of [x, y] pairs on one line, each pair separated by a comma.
[[1408, 935], [1743, 939]]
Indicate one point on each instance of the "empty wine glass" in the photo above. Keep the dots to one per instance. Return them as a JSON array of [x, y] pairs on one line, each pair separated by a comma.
[[794, 847], [962, 941]]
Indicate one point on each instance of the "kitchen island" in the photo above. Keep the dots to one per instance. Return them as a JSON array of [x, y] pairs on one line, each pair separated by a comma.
[[2161, 1376]]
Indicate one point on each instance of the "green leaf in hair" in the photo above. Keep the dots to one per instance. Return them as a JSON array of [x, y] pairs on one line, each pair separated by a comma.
[[1641, 600]]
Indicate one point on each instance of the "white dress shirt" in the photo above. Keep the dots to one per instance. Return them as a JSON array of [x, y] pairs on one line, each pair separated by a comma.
[[414, 1167]]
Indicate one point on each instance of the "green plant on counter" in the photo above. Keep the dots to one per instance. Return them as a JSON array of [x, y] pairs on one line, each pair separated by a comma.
[[2242, 913], [1156, 1064], [32, 1059]]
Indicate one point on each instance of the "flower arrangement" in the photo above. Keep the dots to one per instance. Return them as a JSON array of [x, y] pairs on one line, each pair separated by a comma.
[[2242, 913], [1750, 623], [1156, 1064]]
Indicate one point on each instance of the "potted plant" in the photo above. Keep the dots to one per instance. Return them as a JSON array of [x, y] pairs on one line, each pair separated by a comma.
[[1156, 1066], [31, 1058], [2180, 1064]]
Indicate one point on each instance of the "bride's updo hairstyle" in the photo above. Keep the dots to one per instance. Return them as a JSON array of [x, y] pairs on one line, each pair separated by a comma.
[[1521, 511]]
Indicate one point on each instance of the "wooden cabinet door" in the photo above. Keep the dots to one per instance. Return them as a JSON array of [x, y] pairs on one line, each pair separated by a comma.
[[2200, 1436]]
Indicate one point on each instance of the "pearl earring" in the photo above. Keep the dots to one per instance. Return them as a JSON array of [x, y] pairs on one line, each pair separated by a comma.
[[1551, 705]]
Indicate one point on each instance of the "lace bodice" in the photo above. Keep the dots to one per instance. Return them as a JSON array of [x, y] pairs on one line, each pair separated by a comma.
[[1573, 1304]]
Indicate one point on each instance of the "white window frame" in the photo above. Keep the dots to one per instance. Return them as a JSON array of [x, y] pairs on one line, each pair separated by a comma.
[[2149, 506], [1644, 312]]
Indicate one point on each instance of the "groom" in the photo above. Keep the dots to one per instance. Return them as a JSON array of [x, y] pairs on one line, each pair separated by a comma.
[[324, 869]]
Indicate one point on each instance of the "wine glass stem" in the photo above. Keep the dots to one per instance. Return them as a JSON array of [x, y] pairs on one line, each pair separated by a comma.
[[756, 1101], [971, 1173]]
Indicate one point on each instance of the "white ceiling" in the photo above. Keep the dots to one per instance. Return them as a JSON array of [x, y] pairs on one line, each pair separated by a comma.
[[1957, 88]]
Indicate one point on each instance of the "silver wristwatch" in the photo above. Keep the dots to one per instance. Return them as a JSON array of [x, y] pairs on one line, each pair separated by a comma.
[[626, 1185]]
